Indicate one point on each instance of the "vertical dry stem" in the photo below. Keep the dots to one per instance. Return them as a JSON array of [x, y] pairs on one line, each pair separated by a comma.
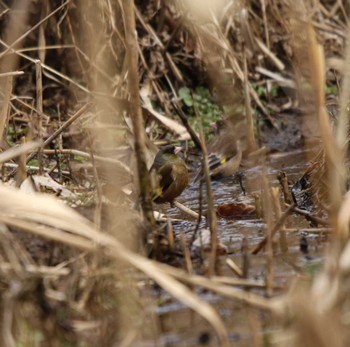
[[135, 109], [269, 234], [9, 62], [277, 207], [211, 212], [39, 107], [248, 110]]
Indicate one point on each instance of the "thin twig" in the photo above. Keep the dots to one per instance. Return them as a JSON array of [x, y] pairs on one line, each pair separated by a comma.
[[200, 202], [78, 114], [187, 210], [248, 108], [309, 216], [274, 230], [10, 74], [212, 220], [87, 155], [16, 151], [32, 28]]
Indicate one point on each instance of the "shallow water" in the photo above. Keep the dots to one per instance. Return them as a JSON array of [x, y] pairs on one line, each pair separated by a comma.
[[179, 325]]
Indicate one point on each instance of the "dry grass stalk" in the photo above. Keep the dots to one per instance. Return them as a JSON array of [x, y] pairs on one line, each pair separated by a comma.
[[135, 109], [276, 227], [38, 124], [334, 162], [11, 73], [8, 64], [277, 207], [269, 235], [66, 226], [277, 305], [19, 150], [186, 252], [212, 219], [70, 229], [234, 267], [248, 109]]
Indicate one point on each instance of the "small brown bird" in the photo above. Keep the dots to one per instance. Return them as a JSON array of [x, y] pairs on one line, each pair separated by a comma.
[[171, 175]]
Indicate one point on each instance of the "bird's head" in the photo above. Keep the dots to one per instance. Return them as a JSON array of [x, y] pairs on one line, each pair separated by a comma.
[[171, 149], [167, 153]]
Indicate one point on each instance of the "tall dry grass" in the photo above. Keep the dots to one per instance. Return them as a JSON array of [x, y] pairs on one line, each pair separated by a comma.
[[95, 286]]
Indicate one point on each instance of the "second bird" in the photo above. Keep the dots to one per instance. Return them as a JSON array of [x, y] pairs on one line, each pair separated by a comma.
[[172, 175]]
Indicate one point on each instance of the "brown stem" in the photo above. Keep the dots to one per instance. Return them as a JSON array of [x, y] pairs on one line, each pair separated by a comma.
[[135, 109], [274, 230], [212, 221]]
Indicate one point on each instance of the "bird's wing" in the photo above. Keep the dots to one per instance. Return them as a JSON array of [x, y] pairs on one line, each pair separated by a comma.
[[167, 176]]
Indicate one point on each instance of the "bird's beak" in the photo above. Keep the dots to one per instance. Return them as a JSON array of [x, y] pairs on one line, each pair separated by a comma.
[[178, 150]]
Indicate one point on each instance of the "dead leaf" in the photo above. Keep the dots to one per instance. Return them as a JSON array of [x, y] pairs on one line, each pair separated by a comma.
[[236, 210]]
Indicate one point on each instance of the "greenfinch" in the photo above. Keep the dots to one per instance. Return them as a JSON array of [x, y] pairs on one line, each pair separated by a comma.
[[226, 150], [171, 175]]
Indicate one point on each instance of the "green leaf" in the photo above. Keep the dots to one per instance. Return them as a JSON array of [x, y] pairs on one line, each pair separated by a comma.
[[80, 158], [185, 95], [34, 162], [184, 92], [188, 101]]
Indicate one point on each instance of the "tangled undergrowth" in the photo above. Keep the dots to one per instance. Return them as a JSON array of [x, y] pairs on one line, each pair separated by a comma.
[[80, 120]]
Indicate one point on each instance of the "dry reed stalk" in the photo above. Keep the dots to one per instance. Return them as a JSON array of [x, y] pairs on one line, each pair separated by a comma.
[[66, 226], [266, 30], [245, 257], [277, 207], [135, 109], [269, 235], [283, 179], [277, 306], [234, 267], [22, 172], [116, 219], [334, 162], [19, 150], [11, 74], [14, 29], [187, 210], [318, 311], [275, 228], [212, 219], [186, 252], [248, 109], [38, 124], [342, 130], [150, 268], [99, 198], [309, 216], [171, 236]]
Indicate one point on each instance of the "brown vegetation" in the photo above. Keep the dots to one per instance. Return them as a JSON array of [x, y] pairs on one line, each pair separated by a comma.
[[84, 102]]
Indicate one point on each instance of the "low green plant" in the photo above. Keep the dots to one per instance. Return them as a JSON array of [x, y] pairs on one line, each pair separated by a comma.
[[13, 134], [208, 111], [331, 90], [263, 91]]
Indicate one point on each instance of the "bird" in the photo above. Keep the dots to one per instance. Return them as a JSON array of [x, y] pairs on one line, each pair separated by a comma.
[[226, 150], [169, 175]]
